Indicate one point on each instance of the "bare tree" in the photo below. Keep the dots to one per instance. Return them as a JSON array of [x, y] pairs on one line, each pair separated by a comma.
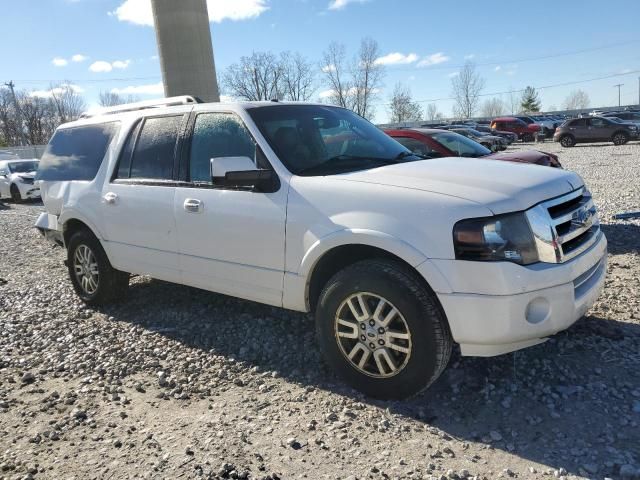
[[334, 67], [512, 102], [112, 99], [493, 107], [68, 102], [39, 118], [467, 86], [8, 124], [298, 77], [433, 113], [576, 100], [367, 77], [254, 78], [402, 107]]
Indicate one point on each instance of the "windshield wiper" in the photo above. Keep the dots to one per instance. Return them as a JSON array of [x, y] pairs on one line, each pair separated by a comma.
[[334, 161]]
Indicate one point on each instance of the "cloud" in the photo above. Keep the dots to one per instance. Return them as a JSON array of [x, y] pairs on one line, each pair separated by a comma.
[[60, 62], [101, 66], [329, 68], [453, 74], [78, 57], [433, 59], [326, 94], [57, 90], [471, 56], [227, 99], [340, 4], [397, 58], [150, 89], [139, 12], [498, 68]]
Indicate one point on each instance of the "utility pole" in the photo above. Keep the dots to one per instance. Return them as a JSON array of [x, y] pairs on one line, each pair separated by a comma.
[[619, 85], [20, 125]]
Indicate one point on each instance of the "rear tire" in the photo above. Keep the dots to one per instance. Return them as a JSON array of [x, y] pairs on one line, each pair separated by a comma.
[[620, 138], [527, 137], [391, 360], [94, 279], [567, 141], [15, 193]]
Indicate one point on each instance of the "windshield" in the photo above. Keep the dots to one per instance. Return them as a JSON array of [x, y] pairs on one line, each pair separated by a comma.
[[460, 144], [323, 140], [23, 167]]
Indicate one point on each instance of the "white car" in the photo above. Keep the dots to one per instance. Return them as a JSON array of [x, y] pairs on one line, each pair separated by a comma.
[[311, 208], [17, 179]]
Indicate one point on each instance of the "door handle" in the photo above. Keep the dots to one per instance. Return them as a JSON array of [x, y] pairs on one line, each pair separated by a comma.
[[193, 205], [110, 198]]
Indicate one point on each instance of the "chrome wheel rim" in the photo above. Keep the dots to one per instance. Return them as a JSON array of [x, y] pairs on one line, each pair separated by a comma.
[[373, 335], [86, 270], [618, 139]]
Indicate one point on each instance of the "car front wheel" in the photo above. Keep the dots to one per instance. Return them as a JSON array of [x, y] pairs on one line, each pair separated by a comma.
[[382, 329], [567, 141], [15, 194], [620, 138], [94, 279]]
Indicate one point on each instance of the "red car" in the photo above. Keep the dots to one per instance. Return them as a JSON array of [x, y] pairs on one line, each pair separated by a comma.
[[433, 143], [525, 132]]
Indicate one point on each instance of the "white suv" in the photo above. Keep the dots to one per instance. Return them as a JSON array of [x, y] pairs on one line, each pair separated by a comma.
[[17, 179], [312, 208]]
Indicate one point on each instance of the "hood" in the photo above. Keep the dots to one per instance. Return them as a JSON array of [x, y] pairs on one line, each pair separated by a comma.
[[527, 156], [501, 186], [26, 174]]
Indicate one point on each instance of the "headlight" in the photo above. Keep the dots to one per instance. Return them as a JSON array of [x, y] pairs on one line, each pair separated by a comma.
[[500, 238], [19, 179]]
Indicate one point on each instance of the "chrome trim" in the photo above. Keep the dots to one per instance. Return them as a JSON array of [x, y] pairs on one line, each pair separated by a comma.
[[583, 218]]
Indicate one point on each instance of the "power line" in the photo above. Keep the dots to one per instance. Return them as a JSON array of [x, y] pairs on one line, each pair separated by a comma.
[[521, 60], [564, 84]]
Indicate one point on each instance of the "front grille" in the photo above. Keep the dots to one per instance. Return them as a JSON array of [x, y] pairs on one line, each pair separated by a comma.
[[27, 180], [565, 227]]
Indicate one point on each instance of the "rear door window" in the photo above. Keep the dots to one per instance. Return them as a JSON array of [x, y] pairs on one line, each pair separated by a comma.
[[76, 153], [155, 148], [416, 146]]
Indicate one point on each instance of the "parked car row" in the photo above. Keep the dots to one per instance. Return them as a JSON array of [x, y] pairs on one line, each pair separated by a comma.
[[595, 129]]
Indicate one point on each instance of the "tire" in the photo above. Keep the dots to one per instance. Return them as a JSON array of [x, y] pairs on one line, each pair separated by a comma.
[[419, 325], [85, 257], [527, 137], [15, 193], [567, 141], [620, 138]]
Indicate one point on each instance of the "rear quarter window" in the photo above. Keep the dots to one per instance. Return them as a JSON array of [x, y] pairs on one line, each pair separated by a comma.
[[76, 153]]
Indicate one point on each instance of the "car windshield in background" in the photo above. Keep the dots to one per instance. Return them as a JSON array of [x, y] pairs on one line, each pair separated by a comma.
[[23, 167], [460, 144], [317, 140]]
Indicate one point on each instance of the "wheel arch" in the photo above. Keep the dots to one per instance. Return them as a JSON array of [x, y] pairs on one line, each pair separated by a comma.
[[73, 224], [320, 264]]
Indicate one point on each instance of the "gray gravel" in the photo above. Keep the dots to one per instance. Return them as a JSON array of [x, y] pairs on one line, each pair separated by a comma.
[[175, 382]]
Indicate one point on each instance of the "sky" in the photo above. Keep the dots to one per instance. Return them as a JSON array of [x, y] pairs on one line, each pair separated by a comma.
[[109, 45]]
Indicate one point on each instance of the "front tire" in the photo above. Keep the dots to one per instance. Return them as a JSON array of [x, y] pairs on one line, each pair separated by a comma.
[[567, 141], [382, 329], [620, 138], [94, 279], [15, 193]]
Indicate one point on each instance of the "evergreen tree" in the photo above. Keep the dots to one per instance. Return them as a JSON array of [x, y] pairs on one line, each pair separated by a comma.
[[530, 101]]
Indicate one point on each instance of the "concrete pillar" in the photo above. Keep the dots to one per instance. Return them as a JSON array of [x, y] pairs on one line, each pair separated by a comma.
[[185, 49]]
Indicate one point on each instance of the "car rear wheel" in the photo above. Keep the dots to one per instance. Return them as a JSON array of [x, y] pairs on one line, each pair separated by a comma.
[[15, 193], [620, 138], [527, 137], [567, 141], [94, 279], [382, 329]]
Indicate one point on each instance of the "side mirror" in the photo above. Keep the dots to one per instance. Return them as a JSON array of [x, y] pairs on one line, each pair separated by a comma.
[[241, 173]]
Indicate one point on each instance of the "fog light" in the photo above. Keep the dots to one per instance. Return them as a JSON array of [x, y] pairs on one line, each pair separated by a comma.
[[538, 310]]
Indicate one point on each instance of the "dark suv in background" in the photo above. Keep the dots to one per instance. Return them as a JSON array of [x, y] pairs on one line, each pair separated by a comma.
[[594, 129]]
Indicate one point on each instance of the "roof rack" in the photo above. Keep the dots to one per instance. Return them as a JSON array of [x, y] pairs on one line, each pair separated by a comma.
[[132, 107]]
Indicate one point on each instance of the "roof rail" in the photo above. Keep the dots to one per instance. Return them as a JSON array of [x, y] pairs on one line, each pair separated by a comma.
[[132, 107]]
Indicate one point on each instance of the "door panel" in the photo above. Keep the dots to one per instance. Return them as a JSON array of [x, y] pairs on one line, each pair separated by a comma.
[[230, 241]]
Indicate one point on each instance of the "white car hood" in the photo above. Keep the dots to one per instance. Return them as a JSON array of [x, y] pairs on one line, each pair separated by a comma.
[[500, 186]]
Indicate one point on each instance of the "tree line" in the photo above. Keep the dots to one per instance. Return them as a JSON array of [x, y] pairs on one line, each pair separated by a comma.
[[352, 81]]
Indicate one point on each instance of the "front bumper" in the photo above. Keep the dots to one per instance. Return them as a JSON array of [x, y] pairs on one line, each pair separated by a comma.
[[28, 191], [500, 307], [47, 225]]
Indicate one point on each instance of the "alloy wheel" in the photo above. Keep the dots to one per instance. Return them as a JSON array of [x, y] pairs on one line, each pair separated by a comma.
[[373, 335], [85, 267]]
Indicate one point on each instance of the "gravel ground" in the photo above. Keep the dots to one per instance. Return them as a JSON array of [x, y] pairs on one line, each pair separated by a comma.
[[179, 383]]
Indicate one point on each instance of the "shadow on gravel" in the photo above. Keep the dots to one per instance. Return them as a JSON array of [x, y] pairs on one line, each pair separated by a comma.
[[622, 237], [3, 206], [558, 404]]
